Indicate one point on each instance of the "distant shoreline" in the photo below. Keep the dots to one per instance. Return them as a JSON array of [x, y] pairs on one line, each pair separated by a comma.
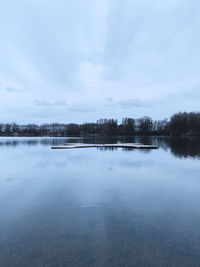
[[105, 136], [180, 124]]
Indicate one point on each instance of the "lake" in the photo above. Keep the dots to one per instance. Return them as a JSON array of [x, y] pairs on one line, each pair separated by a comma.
[[99, 207]]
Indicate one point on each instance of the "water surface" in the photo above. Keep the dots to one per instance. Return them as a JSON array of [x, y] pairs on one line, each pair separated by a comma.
[[99, 207]]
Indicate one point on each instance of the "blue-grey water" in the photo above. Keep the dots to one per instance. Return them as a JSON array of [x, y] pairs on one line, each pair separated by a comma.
[[97, 207]]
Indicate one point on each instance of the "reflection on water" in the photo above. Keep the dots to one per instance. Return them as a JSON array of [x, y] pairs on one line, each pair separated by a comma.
[[180, 147], [99, 207]]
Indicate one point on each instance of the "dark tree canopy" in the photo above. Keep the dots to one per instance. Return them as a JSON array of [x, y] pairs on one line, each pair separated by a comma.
[[182, 123]]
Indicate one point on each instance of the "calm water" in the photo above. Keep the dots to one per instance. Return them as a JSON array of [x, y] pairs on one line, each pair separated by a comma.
[[97, 207]]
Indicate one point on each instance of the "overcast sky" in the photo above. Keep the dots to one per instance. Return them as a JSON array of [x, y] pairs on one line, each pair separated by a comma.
[[81, 60]]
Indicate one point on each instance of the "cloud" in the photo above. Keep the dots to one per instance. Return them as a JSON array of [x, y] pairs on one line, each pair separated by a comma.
[[44, 103], [12, 89], [127, 103], [81, 108], [55, 106]]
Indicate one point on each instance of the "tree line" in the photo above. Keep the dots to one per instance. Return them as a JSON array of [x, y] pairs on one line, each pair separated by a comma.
[[182, 123]]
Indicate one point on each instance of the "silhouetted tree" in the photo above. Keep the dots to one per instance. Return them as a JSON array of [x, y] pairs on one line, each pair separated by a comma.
[[107, 126], [8, 129], [88, 128], [179, 123], [1, 128], [127, 127], [73, 129], [185, 123], [145, 125], [160, 127]]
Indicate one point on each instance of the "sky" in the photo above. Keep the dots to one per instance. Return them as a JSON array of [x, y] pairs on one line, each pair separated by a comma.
[[76, 61]]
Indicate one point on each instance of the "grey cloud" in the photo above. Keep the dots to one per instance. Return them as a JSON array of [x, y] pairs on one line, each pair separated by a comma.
[[81, 108], [186, 95], [43, 103], [12, 89], [131, 103], [193, 93], [53, 106], [109, 99], [127, 103]]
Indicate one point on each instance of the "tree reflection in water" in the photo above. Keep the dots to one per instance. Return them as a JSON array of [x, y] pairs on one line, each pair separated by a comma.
[[181, 147]]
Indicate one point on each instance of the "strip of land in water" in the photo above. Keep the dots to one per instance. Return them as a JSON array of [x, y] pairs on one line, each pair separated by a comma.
[[123, 145]]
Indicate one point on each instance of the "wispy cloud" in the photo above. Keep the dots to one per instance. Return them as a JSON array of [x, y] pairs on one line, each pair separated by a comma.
[[44, 103], [82, 108], [12, 89], [127, 103]]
